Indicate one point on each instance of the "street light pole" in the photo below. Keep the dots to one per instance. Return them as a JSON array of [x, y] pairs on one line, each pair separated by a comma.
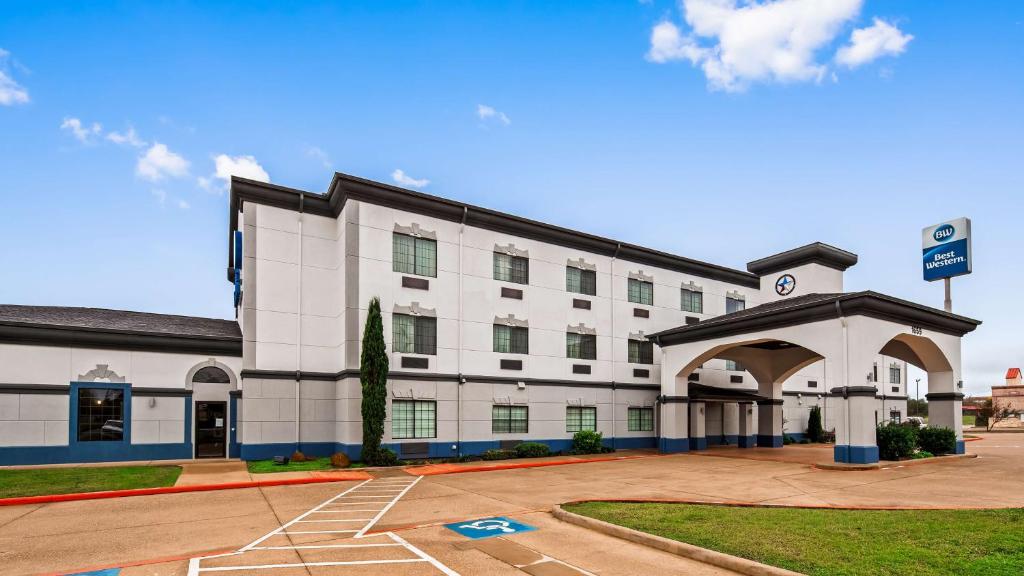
[[918, 393]]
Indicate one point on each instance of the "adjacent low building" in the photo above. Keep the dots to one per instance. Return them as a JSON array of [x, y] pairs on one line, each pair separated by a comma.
[[1010, 397], [500, 329]]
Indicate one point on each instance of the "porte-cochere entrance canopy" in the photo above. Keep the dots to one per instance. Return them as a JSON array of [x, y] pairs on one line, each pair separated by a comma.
[[847, 331]]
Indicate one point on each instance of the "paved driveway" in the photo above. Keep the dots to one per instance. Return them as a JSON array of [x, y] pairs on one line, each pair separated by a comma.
[[89, 534]]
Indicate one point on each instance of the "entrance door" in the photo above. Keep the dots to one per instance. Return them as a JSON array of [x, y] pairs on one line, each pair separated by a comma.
[[211, 423]]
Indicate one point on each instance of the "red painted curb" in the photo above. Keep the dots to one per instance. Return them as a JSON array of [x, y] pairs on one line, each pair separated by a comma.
[[49, 498], [434, 470]]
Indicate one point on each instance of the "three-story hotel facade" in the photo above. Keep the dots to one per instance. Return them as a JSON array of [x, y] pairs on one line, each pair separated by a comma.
[[499, 330]]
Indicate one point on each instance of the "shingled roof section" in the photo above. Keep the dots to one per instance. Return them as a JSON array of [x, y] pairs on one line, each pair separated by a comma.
[[119, 321]]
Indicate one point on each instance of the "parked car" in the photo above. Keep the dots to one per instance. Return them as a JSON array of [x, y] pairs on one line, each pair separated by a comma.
[[918, 420]]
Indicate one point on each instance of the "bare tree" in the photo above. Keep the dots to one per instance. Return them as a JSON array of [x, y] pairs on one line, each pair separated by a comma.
[[993, 414]]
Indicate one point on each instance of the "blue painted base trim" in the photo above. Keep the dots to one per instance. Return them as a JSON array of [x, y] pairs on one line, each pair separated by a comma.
[[747, 441], [698, 443], [795, 436], [86, 452], [673, 445], [730, 439], [766, 441], [961, 447], [435, 450], [855, 454]]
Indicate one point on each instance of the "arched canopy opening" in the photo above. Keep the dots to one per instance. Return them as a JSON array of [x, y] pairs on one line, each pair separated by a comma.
[[211, 375]]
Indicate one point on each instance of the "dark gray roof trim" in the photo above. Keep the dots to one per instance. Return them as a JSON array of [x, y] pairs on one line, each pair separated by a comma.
[[35, 388], [344, 187], [817, 253], [816, 307], [700, 392], [395, 375], [118, 329]]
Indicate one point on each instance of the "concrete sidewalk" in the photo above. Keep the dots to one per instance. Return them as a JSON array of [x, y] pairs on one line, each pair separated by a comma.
[[202, 473]]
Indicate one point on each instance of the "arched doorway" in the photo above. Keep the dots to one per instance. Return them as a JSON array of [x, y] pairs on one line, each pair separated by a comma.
[[214, 412]]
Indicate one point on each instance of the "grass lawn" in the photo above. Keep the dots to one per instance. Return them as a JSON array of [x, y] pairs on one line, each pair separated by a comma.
[[268, 466], [838, 542], [39, 481], [968, 419]]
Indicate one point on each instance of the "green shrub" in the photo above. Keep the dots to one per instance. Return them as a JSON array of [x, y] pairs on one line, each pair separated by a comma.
[[380, 457], [815, 433], [805, 440], [587, 442], [922, 454], [937, 440], [532, 450], [895, 441], [787, 439], [496, 454]]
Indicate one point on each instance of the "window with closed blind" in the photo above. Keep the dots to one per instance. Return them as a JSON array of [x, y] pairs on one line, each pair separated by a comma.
[[580, 281], [578, 418], [414, 334], [414, 255], [508, 268]]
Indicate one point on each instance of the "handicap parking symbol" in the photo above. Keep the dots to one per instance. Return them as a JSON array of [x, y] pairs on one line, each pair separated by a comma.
[[489, 527]]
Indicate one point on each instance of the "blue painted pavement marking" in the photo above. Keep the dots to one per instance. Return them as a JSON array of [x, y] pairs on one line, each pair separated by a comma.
[[489, 527], [107, 572]]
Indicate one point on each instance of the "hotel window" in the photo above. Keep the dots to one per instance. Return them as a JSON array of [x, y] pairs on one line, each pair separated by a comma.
[[693, 301], [733, 366], [414, 334], [580, 281], [510, 419], [640, 419], [894, 374], [874, 372], [100, 414], [641, 352], [509, 268], [578, 418], [734, 305], [414, 255], [511, 339], [641, 292], [413, 419], [580, 346]]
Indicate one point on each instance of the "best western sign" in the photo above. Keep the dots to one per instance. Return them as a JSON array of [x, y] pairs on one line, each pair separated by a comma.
[[947, 249]]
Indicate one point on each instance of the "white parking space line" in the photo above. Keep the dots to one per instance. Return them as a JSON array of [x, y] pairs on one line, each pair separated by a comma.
[[383, 499]]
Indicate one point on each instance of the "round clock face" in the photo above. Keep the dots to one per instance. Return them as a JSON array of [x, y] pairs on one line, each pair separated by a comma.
[[785, 285]]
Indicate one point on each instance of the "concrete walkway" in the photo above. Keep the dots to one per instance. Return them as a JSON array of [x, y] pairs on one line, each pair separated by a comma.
[[201, 472]]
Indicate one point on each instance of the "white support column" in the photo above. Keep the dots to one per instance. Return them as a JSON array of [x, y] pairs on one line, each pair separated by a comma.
[[731, 423], [855, 425], [698, 440], [747, 435], [769, 423], [674, 425]]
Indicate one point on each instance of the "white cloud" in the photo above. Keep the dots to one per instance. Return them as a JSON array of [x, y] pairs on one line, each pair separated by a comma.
[[485, 112], [242, 166], [738, 43], [183, 205], [130, 138], [318, 154], [11, 93], [868, 44], [81, 132], [404, 179], [159, 162]]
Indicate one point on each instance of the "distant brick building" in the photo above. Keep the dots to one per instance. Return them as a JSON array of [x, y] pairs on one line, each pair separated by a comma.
[[1011, 396]]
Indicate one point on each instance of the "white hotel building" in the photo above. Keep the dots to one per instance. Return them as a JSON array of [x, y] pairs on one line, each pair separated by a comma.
[[500, 329]]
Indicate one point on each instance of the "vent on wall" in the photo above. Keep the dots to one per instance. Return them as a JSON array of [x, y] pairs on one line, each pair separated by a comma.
[[581, 368], [736, 379], [507, 364], [511, 293], [692, 320], [417, 283], [581, 303], [641, 313], [812, 383], [694, 376], [641, 373], [415, 362]]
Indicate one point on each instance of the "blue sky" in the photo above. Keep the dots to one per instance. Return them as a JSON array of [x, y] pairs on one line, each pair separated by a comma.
[[723, 133]]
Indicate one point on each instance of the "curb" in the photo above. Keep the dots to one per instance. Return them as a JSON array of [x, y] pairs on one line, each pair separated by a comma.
[[50, 498], [893, 463], [729, 562], [433, 470]]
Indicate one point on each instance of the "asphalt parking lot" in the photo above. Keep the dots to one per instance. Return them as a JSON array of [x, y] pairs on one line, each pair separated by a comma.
[[158, 535]]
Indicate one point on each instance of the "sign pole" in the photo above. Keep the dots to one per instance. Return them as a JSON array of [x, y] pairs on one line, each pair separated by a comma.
[[948, 303]]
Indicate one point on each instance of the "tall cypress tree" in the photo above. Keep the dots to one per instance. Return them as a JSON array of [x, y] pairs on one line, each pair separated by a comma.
[[814, 430], [373, 376]]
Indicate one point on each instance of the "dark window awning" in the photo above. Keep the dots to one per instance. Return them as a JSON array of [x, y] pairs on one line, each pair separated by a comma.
[[705, 392]]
